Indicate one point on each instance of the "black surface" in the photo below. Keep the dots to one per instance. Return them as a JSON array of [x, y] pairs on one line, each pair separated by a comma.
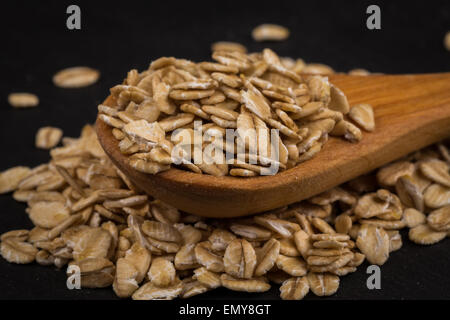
[[118, 36]]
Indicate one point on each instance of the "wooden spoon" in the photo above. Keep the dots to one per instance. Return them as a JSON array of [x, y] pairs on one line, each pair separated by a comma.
[[411, 112]]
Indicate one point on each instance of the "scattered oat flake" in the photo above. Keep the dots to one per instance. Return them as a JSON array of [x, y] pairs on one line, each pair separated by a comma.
[[23, 100], [11, 178], [270, 32], [76, 77]]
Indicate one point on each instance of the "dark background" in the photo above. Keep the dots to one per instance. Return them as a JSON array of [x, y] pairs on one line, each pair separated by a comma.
[[118, 36]]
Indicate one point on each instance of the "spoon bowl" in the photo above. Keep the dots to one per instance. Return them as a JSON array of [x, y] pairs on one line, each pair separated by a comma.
[[411, 112]]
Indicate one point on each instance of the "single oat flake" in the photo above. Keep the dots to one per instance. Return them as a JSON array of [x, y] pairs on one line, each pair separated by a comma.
[[48, 137]]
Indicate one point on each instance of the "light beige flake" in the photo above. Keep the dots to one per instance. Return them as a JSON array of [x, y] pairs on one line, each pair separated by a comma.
[[143, 131], [23, 100], [338, 100], [206, 257], [343, 223], [413, 217], [92, 243], [359, 72], [162, 272], [373, 243], [348, 130], [447, 41], [185, 258], [317, 68], [409, 192], [270, 32], [95, 272], [330, 237], [189, 234], [435, 196], [243, 173], [322, 226], [246, 285], [423, 234], [44, 258], [126, 202], [216, 67], [288, 247], [222, 113], [76, 77], [385, 224], [240, 259], [389, 174], [342, 261], [164, 212], [233, 59], [48, 137], [395, 240], [148, 167], [358, 259], [250, 232], [11, 178], [165, 246], [191, 108], [208, 278], [284, 228], [19, 235], [439, 219], [323, 284], [228, 46], [161, 96], [362, 115], [436, 170], [15, 251], [161, 231], [149, 291], [294, 266], [370, 205], [125, 283], [321, 260], [303, 243], [140, 257], [220, 239], [255, 102], [267, 257], [192, 288], [294, 288], [48, 214], [333, 195]]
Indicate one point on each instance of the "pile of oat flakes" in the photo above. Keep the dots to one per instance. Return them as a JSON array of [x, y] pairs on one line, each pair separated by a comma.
[[251, 93], [88, 214]]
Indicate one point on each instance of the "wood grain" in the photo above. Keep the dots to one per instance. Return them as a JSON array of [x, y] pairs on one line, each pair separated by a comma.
[[411, 111]]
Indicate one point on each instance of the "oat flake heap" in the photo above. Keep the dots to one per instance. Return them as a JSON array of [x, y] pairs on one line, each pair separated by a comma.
[[241, 91], [88, 214]]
